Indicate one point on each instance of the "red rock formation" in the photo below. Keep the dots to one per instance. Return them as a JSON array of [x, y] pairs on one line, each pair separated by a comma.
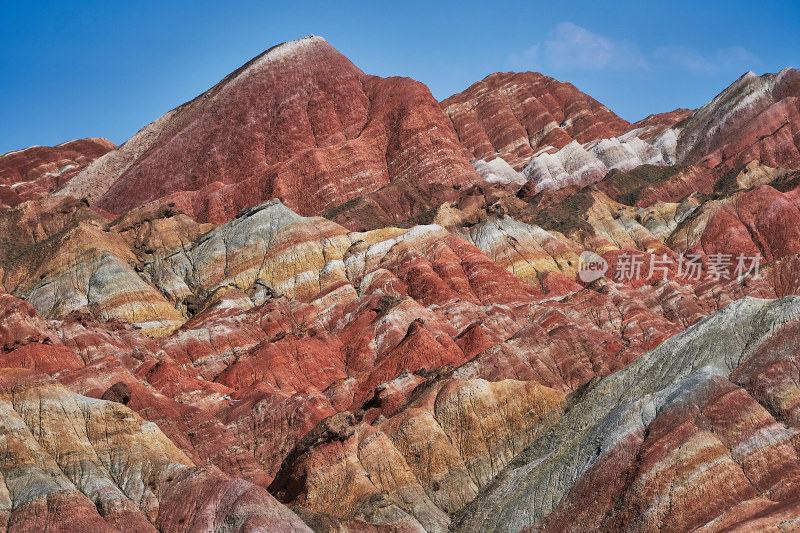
[[36, 220], [515, 115], [755, 118], [36, 171], [761, 221], [204, 499], [654, 124], [388, 379], [298, 118], [31, 164], [676, 440]]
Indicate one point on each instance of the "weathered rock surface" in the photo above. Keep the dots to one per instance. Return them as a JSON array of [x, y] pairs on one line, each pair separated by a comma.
[[267, 246], [428, 460], [753, 119], [78, 464], [675, 424], [348, 297], [84, 268], [577, 164], [658, 122], [516, 115], [296, 119], [38, 170]]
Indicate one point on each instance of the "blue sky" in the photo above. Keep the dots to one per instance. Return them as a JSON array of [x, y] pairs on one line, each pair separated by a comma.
[[106, 69]]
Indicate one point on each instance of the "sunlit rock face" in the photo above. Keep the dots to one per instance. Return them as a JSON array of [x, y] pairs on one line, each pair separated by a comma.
[[424, 462], [84, 268], [681, 421], [295, 256], [92, 463], [300, 123], [516, 115], [316, 300], [84, 464], [577, 164], [36, 171], [751, 120]]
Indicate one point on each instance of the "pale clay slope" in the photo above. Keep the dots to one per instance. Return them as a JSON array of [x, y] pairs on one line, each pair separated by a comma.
[[270, 247], [577, 164], [534, 483], [498, 171], [64, 441]]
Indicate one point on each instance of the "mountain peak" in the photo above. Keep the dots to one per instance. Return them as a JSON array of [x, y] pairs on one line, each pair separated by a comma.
[[300, 117], [752, 102], [515, 115], [293, 49]]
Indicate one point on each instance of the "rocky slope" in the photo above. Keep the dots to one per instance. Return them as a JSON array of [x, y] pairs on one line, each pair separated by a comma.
[[753, 119], [74, 463], [350, 309], [298, 118], [38, 170], [516, 115], [687, 437]]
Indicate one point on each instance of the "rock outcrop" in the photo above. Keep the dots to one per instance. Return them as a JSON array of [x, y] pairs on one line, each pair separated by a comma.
[[517, 115], [317, 300], [423, 463], [296, 119], [753, 119], [36, 171], [679, 422]]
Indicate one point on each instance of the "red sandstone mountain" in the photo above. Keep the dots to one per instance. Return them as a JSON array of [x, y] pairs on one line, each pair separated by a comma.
[[753, 119], [300, 123], [282, 372], [35, 171], [515, 115]]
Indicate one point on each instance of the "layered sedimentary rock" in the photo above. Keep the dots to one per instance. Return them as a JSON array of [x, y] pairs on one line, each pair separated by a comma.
[[577, 164], [240, 384], [85, 268], [657, 122], [298, 118], [82, 464], [73, 460], [760, 221], [157, 227], [527, 251], [36, 171], [388, 330], [516, 115], [269, 245], [497, 170], [753, 119], [679, 422], [428, 460]]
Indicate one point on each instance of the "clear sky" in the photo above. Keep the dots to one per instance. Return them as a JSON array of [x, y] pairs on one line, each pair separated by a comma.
[[105, 69]]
